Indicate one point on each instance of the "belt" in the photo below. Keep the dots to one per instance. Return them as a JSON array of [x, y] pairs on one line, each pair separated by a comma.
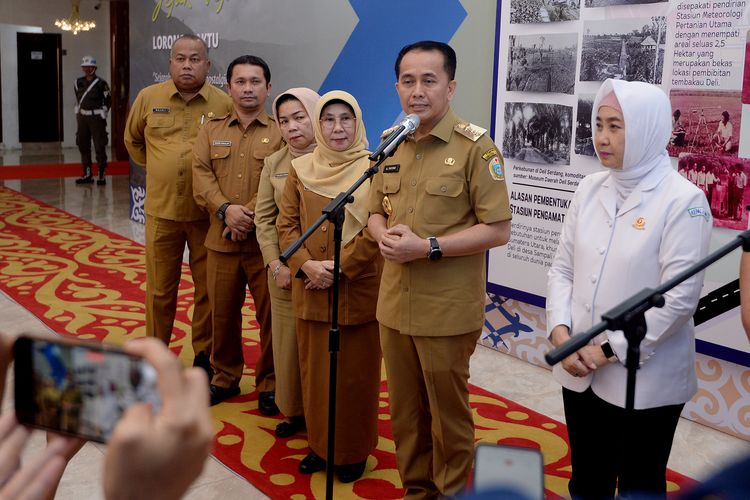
[[102, 112]]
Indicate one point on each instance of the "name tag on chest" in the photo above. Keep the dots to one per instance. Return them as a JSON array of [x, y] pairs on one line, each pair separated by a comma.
[[391, 169], [160, 110], [221, 143]]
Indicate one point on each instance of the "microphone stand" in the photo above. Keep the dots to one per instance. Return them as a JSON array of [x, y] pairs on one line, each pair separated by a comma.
[[333, 212], [629, 316]]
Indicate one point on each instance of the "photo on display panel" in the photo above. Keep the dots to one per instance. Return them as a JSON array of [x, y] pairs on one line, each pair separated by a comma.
[[607, 3], [724, 181], [542, 63], [538, 133], [706, 122], [743, 150], [624, 49], [543, 11], [584, 134]]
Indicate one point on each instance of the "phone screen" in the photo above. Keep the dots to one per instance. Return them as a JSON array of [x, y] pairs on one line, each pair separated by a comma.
[[513, 468], [80, 389]]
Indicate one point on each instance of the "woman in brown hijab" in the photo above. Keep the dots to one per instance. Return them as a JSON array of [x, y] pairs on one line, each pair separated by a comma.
[[339, 159], [292, 110]]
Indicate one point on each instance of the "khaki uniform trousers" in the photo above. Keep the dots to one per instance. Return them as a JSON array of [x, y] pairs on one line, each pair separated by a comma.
[[165, 247], [357, 388], [229, 274], [433, 427], [285, 353]]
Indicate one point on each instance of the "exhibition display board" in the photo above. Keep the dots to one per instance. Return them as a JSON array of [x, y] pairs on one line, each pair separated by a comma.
[[552, 57]]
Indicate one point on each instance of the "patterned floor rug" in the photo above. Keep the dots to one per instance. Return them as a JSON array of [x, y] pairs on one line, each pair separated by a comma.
[[86, 282]]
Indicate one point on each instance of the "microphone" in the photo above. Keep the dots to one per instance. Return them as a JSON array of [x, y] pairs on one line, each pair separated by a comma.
[[390, 143]]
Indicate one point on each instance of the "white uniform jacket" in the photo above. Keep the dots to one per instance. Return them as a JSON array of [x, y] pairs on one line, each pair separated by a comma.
[[604, 257]]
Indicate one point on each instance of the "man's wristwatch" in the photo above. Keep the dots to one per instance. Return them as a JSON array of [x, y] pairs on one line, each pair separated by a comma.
[[435, 252], [222, 211], [609, 353]]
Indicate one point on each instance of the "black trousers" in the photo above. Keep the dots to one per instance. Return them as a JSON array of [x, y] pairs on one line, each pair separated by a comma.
[[94, 128], [612, 447]]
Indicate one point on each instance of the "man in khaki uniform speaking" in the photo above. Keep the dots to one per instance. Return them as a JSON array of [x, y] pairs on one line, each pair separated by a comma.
[[159, 135], [436, 207], [227, 161]]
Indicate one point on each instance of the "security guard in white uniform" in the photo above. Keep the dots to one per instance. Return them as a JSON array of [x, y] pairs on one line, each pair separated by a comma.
[[93, 100]]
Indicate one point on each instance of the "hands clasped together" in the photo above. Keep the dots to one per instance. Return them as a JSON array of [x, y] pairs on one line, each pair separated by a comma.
[[400, 244], [319, 274], [582, 362], [240, 221]]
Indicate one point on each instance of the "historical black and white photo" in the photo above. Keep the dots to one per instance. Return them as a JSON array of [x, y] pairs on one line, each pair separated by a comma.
[[538, 133], [584, 144], [624, 49], [542, 63], [543, 11]]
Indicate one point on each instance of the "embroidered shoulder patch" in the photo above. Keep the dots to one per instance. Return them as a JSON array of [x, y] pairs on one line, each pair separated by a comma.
[[489, 154], [496, 168], [698, 212]]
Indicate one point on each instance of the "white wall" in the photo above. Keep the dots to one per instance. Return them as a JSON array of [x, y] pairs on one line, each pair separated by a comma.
[[39, 16], [9, 60], [473, 98]]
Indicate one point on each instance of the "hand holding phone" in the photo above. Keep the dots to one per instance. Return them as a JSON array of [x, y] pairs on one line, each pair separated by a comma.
[[78, 388], [37, 478], [146, 447], [151, 447]]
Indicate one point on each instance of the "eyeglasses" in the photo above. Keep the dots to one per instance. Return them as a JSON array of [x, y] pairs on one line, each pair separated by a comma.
[[329, 122]]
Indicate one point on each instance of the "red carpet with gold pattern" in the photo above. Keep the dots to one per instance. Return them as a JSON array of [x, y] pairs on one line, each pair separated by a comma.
[[86, 282]]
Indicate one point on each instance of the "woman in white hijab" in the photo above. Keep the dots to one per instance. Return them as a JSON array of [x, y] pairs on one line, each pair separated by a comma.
[[635, 225]]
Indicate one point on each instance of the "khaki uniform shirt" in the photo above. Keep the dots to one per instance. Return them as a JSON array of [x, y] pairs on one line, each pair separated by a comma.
[[159, 135], [449, 181], [272, 180], [227, 162]]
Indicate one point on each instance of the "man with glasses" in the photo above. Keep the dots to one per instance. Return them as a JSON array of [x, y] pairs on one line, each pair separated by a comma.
[[159, 135], [227, 162]]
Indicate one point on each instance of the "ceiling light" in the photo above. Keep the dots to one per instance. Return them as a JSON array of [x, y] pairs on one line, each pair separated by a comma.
[[74, 23]]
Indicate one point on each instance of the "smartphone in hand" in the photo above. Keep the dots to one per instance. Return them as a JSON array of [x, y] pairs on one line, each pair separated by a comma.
[[78, 388]]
